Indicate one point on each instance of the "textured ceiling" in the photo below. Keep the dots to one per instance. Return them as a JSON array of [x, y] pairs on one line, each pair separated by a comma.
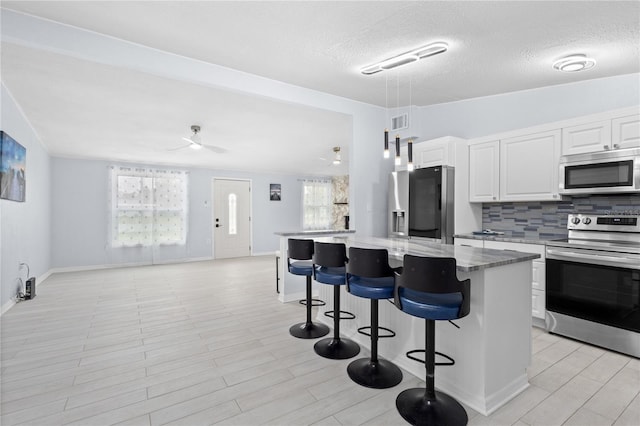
[[494, 47]]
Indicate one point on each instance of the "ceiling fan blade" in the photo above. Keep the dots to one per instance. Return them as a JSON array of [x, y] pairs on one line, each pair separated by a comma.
[[216, 149], [175, 149]]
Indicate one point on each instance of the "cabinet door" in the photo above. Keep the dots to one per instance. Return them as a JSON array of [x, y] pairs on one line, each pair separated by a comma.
[[588, 137], [538, 278], [538, 304], [626, 132], [529, 167], [431, 154], [484, 171]]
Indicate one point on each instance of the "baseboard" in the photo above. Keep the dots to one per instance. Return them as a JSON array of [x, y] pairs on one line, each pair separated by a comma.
[[127, 265], [8, 305], [11, 302], [264, 253]]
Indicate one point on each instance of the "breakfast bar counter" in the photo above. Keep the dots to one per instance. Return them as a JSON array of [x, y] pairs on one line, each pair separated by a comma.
[[491, 347]]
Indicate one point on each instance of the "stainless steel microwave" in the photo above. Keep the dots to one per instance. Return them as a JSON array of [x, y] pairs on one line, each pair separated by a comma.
[[606, 172]]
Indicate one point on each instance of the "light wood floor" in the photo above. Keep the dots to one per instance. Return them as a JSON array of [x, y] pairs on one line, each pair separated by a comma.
[[208, 343]]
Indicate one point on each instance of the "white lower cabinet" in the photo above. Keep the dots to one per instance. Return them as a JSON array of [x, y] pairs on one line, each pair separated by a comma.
[[537, 272]]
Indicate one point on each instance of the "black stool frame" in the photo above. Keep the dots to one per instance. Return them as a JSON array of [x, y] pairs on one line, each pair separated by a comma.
[[372, 372], [334, 255], [303, 250], [427, 406]]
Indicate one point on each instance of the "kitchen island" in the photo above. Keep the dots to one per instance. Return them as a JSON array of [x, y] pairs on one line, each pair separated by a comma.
[[492, 347]]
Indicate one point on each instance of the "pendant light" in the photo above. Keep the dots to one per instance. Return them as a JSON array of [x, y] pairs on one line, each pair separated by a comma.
[[410, 155], [410, 143], [398, 160], [386, 111]]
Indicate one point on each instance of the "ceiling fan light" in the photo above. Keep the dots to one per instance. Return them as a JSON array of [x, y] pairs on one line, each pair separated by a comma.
[[574, 63], [195, 145], [337, 159]]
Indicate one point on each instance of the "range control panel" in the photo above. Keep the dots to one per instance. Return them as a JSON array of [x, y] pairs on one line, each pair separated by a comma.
[[587, 222]]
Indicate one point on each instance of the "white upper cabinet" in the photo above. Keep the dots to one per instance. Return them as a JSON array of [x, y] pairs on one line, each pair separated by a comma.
[[603, 135], [484, 171], [519, 168], [588, 137], [529, 167], [626, 132], [435, 152]]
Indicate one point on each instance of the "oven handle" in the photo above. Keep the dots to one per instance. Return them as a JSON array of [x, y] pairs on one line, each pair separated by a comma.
[[590, 258]]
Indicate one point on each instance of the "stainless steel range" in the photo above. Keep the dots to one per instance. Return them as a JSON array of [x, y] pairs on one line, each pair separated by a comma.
[[593, 282]]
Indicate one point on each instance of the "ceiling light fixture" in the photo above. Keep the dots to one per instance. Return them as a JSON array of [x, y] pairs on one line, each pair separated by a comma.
[[337, 159], [573, 63], [406, 58], [194, 140]]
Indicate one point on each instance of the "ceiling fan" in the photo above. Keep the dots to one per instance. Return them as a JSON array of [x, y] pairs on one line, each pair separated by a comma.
[[195, 143], [337, 159]]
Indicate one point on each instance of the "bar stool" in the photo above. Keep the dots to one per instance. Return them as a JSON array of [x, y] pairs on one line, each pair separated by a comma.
[[329, 260], [370, 276], [299, 262], [427, 287]]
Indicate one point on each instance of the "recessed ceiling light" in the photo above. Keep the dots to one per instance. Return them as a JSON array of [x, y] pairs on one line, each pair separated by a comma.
[[573, 63], [406, 58]]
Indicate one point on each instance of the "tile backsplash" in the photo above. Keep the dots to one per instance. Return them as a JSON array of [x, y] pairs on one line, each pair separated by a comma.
[[549, 219]]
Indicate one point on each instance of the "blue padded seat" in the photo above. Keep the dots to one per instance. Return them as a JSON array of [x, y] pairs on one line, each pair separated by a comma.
[[435, 306], [329, 267], [301, 267], [331, 275], [372, 288]]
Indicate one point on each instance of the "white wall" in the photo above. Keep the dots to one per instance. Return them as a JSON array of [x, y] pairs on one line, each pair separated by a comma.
[[24, 227], [80, 215]]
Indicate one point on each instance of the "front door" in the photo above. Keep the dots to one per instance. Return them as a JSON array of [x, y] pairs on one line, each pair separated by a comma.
[[231, 218]]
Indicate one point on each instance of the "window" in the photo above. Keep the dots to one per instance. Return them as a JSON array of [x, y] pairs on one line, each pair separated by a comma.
[[148, 207], [233, 215], [316, 204]]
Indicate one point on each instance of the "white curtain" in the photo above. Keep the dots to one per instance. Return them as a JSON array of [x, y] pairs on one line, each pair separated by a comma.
[[149, 207], [316, 204]]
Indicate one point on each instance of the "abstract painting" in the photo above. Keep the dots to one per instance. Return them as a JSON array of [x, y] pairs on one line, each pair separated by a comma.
[[12, 168]]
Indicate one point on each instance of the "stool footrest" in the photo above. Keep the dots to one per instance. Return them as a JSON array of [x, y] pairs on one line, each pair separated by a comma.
[[347, 315], [314, 302], [450, 361], [390, 332]]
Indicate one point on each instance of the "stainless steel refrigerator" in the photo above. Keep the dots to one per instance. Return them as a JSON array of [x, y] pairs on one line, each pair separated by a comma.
[[421, 204]]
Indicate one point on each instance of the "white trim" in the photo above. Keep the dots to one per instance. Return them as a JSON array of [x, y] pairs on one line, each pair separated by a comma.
[[127, 265], [12, 302], [264, 253], [8, 305]]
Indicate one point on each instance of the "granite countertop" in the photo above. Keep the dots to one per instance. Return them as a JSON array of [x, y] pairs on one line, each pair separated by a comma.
[[509, 237], [315, 232], [467, 258]]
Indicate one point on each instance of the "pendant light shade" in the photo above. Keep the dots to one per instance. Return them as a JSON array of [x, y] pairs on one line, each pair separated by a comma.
[[398, 160], [410, 155], [386, 143]]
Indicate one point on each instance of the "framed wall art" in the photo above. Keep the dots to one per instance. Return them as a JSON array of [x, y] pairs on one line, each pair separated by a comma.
[[12, 168], [275, 192]]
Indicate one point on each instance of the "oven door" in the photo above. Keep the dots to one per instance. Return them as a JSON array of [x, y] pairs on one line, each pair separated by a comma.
[[594, 296]]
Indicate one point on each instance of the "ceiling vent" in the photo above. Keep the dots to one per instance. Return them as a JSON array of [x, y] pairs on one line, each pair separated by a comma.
[[400, 122]]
